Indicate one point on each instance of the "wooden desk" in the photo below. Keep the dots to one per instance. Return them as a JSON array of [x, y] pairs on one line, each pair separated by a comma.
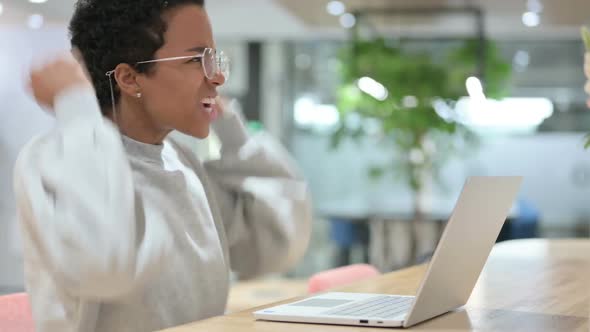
[[249, 294], [527, 285]]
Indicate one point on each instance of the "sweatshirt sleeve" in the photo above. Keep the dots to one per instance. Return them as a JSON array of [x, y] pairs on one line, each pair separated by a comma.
[[76, 203], [264, 201]]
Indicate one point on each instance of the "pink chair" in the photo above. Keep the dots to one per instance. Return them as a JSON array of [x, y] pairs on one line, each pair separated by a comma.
[[341, 276], [15, 313]]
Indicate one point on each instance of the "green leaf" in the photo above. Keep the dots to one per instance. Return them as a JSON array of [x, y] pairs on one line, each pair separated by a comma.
[[426, 77], [376, 172]]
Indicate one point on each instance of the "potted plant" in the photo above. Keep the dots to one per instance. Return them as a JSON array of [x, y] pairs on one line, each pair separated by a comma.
[[410, 96]]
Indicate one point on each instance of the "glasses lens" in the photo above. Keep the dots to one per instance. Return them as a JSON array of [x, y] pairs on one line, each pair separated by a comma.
[[215, 62], [223, 63], [209, 64]]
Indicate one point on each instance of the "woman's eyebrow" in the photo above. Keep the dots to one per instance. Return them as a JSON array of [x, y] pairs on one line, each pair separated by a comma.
[[196, 49]]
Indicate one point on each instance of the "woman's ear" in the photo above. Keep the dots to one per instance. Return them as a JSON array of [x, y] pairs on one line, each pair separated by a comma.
[[126, 77]]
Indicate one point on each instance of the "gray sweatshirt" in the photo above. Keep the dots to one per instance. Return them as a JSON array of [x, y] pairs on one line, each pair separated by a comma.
[[120, 235]]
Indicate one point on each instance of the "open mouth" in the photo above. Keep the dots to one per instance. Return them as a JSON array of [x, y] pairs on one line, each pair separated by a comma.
[[208, 104]]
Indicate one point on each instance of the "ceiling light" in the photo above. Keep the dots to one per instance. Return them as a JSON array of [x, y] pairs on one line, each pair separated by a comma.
[[335, 8], [531, 19], [347, 20]]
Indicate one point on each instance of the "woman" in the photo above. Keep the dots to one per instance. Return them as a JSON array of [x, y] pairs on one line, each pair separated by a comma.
[[124, 228]]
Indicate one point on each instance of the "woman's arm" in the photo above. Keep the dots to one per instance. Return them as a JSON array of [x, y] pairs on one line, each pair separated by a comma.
[[264, 201], [75, 194]]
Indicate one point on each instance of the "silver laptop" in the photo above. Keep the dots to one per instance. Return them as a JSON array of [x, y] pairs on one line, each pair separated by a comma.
[[460, 256]]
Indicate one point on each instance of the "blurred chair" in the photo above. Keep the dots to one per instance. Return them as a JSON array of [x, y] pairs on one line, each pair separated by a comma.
[[347, 233], [524, 225], [341, 276], [15, 313]]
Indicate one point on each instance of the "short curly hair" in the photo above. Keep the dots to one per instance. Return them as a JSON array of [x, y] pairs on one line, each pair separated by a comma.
[[110, 32]]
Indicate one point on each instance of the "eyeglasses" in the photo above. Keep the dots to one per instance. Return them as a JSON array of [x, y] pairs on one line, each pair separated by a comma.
[[214, 63]]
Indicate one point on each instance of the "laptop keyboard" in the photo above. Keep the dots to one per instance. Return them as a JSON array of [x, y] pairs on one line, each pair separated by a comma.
[[378, 307]]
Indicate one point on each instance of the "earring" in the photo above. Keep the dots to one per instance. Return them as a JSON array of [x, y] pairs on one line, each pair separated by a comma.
[[138, 95]]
